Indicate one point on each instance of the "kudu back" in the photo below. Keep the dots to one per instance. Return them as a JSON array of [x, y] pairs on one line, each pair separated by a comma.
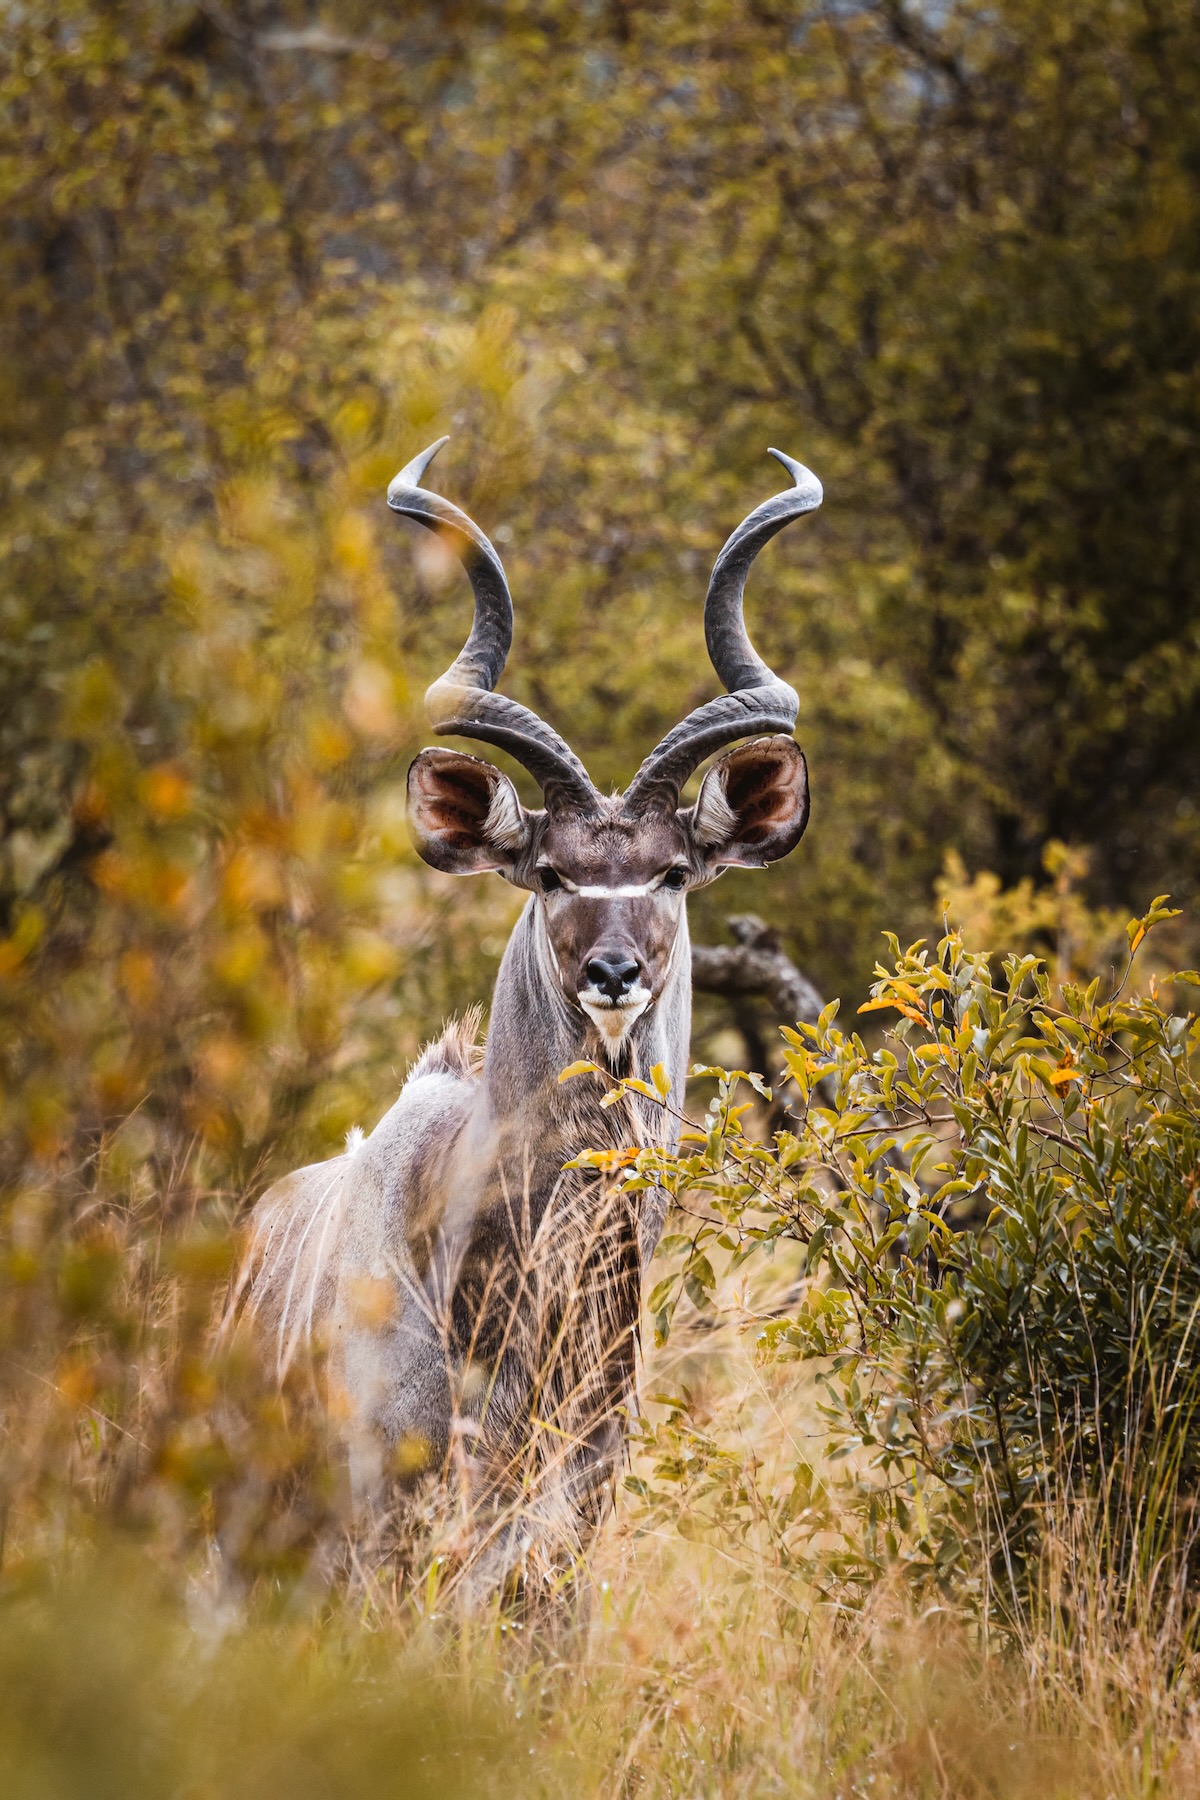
[[478, 1301]]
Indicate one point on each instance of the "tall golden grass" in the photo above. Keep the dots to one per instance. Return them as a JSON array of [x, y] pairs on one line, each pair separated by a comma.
[[691, 1663], [189, 1607]]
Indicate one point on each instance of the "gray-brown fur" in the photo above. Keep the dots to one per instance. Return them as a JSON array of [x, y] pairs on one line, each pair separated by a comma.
[[478, 1299]]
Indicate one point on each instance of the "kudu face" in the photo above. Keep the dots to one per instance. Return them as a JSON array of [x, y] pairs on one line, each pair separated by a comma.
[[611, 882], [610, 874]]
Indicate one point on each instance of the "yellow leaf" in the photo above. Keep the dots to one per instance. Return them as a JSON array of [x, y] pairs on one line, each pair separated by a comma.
[[604, 1159], [661, 1080], [578, 1068]]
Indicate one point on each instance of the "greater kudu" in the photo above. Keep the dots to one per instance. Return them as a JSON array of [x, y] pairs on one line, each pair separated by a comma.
[[479, 1302]]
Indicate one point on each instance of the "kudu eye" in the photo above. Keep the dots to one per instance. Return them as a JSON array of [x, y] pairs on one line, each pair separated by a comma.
[[550, 881], [674, 879]]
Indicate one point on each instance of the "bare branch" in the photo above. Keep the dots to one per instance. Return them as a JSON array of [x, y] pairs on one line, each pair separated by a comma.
[[314, 37], [756, 964]]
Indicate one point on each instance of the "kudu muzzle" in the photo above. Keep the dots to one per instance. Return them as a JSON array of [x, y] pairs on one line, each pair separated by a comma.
[[613, 970]]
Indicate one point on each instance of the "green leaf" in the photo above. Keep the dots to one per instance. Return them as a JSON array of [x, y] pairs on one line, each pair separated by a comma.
[[661, 1293], [917, 1229]]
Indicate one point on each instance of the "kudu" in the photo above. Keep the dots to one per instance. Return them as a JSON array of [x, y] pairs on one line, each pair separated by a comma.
[[479, 1302]]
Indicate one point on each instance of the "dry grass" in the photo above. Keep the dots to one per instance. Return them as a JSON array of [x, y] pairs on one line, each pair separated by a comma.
[[696, 1665], [696, 1654]]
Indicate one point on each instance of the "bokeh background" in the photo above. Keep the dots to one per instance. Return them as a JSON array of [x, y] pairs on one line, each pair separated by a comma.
[[253, 256]]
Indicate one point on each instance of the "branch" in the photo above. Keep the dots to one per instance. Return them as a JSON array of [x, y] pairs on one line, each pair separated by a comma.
[[756, 964], [314, 37]]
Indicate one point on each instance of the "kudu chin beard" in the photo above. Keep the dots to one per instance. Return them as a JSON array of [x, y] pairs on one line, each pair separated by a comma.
[[615, 1020], [478, 1248]]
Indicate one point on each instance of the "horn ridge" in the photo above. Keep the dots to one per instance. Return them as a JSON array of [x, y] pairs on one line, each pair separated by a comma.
[[461, 702], [481, 660], [732, 654], [457, 711], [758, 701]]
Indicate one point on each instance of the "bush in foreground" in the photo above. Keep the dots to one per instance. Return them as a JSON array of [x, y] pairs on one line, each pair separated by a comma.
[[996, 1215]]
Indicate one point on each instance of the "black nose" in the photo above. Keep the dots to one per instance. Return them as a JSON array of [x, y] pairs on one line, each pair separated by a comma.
[[613, 974]]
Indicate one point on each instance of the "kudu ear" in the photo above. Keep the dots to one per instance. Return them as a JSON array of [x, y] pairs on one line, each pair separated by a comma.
[[464, 815], [753, 805]]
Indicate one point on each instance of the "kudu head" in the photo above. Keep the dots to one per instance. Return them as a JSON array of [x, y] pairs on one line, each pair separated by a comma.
[[611, 873]]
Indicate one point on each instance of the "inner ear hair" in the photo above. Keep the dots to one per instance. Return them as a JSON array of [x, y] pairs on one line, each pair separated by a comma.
[[464, 814], [454, 790], [504, 824], [753, 804], [714, 820]]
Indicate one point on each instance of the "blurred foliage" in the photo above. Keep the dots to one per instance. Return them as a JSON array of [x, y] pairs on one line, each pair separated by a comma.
[[690, 1683], [1052, 919], [255, 255], [996, 1216], [119, 1418], [111, 1691]]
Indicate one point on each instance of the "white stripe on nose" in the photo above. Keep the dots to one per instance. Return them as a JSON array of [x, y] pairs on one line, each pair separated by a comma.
[[630, 891]]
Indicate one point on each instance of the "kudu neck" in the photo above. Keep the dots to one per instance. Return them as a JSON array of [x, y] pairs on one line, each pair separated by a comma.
[[535, 1032]]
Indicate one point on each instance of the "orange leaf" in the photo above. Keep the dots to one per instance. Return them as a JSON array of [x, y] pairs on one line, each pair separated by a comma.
[[910, 1012]]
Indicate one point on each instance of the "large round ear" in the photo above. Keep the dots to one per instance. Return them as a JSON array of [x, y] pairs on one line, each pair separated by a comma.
[[464, 815], [753, 805]]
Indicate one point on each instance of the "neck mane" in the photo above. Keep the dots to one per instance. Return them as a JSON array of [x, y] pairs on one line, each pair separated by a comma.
[[535, 1032]]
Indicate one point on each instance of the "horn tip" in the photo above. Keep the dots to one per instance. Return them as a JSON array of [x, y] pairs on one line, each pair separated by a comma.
[[802, 477], [410, 475]]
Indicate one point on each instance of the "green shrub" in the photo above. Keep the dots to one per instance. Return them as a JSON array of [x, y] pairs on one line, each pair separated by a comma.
[[997, 1222]]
